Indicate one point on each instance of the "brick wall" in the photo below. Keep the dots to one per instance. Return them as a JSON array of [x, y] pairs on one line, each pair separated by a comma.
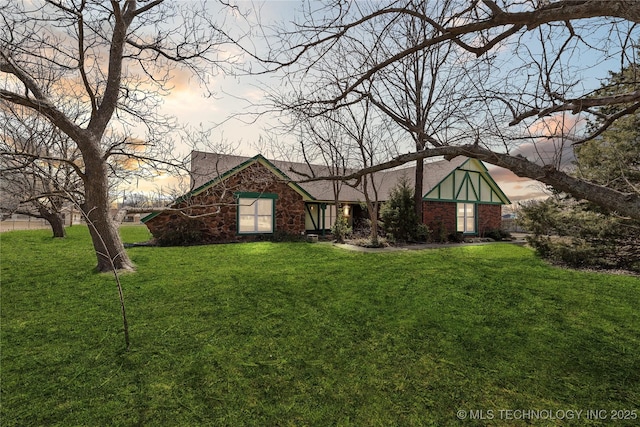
[[216, 210], [439, 214], [489, 217]]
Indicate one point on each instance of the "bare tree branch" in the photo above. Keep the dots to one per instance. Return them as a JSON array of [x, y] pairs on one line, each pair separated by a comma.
[[622, 203]]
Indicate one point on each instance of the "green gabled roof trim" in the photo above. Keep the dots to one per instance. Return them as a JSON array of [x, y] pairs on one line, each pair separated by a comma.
[[259, 158], [254, 195], [466, 180], [265, 162], [150, 216]]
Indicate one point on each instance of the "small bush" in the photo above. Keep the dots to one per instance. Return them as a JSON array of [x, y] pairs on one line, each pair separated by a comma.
[[577, 235], [423, 233], [573, 252], [440, 234], [542, 244], [341, 229], [576, 253], [362, 228], [457, 237], [368, 243], [186, 232], [398, 213], [498, 235]]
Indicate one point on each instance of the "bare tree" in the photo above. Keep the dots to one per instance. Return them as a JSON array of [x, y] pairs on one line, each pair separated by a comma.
[[112, 61], [24, 194], [425, 91], [372, 140], [324, 143], [36, 177], [539, 56]]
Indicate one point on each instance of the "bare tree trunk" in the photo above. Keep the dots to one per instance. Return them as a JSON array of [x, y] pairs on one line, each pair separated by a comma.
[[337, 224], [57, 225], [53, 218], [417, 192], [372, 209], [109, 248]]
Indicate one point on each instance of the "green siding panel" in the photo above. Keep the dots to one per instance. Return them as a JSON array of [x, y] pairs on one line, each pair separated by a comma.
[[470, 183]]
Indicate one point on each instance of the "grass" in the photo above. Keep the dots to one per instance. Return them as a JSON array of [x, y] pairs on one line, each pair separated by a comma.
[[296, 334]]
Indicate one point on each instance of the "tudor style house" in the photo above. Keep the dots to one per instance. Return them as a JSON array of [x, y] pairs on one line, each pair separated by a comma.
[[238, 198]]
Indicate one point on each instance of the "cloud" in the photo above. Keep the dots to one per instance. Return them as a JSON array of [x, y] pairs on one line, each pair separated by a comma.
[[552, 138], [515, 187], [552, 145], [558, 153], [181, 80], [557, 125]]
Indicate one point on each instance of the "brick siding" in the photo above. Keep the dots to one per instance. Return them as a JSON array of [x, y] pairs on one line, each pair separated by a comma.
[[221, 225], [443, 214], [489, 217], [437, 215]]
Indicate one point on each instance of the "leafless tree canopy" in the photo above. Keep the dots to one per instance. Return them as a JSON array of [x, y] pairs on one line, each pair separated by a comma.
[[482, 28], [518, 86], [109, 63], [37, 167]]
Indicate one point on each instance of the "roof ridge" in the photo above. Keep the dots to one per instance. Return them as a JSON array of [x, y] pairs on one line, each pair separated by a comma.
[[350, 170]]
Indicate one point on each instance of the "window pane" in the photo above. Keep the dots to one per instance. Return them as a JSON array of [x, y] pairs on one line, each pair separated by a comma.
[[247, 223], [265, 206], [460, 224], [469, 208], [470, 225], [247, 206], [264, 224], [329, 216]]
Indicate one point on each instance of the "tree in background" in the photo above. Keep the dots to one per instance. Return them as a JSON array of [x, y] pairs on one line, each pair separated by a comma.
[[110, 63], [372, 138], [342, 140], [37, 168], [580, 233], [426, 92], [536, 56], [612, 159], [28, 190]]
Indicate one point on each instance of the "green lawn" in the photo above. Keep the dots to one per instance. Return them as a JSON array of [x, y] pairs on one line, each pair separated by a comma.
[[296, 334]]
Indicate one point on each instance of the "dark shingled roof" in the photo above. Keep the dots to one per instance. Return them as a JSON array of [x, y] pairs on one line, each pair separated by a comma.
[[207, 166]]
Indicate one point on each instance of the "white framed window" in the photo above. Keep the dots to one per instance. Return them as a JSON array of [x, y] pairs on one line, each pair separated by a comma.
[[256, 215], [466, 215]]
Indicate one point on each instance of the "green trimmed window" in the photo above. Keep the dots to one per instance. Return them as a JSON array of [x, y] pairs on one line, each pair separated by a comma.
[[256, 213], [466, 217]]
